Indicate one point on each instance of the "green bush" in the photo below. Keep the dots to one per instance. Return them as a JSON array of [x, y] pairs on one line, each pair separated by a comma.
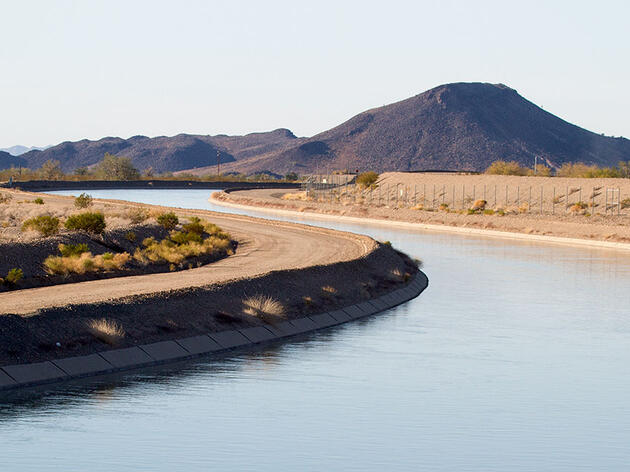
[[45, 225], [367, 179], [506, 168], [168, 220], [194, 226], [38, 201], [83, 201], [73, 250], [14, 276], [89, 222], [130, 236]]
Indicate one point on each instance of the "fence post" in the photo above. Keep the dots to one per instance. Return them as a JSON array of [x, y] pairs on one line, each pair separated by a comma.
[[453, 197], [495, 196], [463, 196], [553, 201], [541, 199], [506, 196]]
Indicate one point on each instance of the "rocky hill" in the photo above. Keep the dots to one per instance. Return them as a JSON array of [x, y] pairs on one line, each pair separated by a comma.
[[461, 126], [8, 160], [163, 154]]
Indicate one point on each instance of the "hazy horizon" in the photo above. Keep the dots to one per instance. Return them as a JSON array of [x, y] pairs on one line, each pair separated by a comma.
[[86, 71]]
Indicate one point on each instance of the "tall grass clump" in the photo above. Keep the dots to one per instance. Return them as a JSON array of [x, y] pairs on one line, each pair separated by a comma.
[[106, 330], [90, 222], [263, 307], [45, 225], [76, 259]]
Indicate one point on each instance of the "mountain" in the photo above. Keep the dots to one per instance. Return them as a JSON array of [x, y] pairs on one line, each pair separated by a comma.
[[8, 160], [19, 149], [460, 126], [162, 154]]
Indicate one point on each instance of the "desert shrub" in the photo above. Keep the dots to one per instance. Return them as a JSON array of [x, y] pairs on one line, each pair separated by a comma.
[[83, 201], [137, 215], [38, 201], [291, 176], [105, 330], [479, 205], [263, 306], [130, 236], [89, 222], [367, 179], [5, 197], [85, 262], [44, 224], [578, 207], [506, 168], [73, 250], [13, 276], [541, 171], [625, 203], [488, 211], [194, 226], [444, 206], [168, 220]]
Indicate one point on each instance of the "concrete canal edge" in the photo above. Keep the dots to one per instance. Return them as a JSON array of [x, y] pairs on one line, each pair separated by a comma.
[[59, 370]]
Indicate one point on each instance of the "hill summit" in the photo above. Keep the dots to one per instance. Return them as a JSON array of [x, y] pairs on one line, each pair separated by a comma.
[[460, 126]]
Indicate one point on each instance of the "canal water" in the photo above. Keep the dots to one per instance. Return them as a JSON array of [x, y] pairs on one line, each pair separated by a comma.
[[516, 358]]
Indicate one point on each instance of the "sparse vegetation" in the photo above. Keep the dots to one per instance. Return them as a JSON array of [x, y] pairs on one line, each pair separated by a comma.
[[71, 250], [13, 277], [108, 331], [85, 262], [302, 196], [38, 201], [5, 197], [263, 307], [367, 179], [168, 220], [130, 236], [45, 225], [83, 201], [137, 215], [197, 238], [90, 222]]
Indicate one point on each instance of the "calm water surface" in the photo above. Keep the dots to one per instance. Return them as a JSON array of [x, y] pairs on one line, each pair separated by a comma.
[[515, 359]]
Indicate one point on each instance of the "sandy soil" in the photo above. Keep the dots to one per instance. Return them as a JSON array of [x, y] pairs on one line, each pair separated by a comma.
[[565, 223]]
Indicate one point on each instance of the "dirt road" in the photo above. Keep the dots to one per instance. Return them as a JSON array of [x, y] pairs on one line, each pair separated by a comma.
[[264, 246]]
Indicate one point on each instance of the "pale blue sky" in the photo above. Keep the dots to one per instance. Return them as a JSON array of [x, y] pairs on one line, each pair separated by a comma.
[[72, 70]]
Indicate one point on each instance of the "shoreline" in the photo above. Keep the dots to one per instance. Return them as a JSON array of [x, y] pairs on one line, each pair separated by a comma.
[[15, 377], [426, 226]]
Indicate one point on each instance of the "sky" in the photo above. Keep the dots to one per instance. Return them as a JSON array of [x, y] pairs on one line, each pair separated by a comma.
[[71, 70]]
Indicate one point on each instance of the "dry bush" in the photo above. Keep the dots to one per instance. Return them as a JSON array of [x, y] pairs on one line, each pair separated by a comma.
[[137, 215], [329, 290], [263, 307], [479, 205], [105, 330], [396, 275], [419, 206], [302, 196], [85, 262]]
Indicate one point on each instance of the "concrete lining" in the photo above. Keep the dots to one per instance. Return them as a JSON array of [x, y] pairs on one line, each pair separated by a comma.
[[340, 315], [324, 320], [304, 324], [17, 376], [82, 365], [257, 334], [165, 350], [38, 372], [199, 344], [230, 339], [127, 357]]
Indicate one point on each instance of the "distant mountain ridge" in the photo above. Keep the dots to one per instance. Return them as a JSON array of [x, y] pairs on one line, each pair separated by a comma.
[[19, 149], [459, 126], [163, 153]]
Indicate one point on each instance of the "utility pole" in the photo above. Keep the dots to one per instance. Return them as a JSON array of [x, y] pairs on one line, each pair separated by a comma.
[[218, 163], [535, 164]]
